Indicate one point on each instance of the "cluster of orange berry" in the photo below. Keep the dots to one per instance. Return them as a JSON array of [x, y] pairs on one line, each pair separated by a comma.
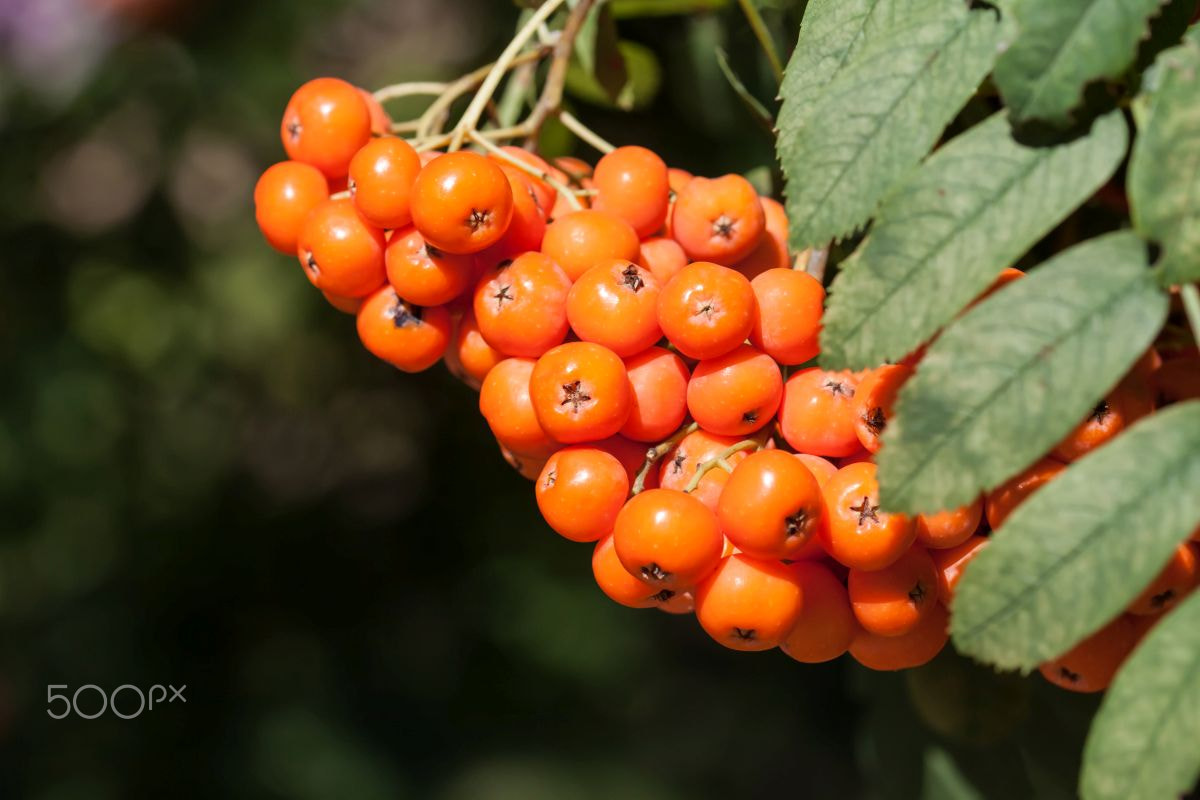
[[629, 329]]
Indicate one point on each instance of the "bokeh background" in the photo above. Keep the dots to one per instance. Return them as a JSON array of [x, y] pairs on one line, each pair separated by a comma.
[[204, 479]]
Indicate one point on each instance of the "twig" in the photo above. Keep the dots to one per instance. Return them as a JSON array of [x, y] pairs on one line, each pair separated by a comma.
[[657, 452], [1191, 307], [584, 132], [719, 460], [409, 89], [441, 106], [551, 97], [818, 257], [764, 37], [482, 140]]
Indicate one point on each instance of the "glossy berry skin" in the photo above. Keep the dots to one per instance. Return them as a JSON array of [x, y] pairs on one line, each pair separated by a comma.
[[521, 308], [950, 564], [631, 183], [580, 492], [528, 467], [859, 534], [821, 468], [580, 240], [381, 123], [505, 403], [615, 304], [706, 310], [946, 529], [472, 352], [580, 392], [790, 306], [283, 196], [1091, 665], [543, 193], [772, 249], [423, 274], [461, 202], [340, 253], [749, 604], [735, 394], [1004, 499], [681, 462], [382, 174], [347, 305], [912, 649], [875, 401], [817, 413], [525, 229], [616, 582], [893, 600], [325, 123], [718, 219], [1175, 582], [668, 539], [1116, 412], [408, 337], [659, 381], [771, 506], [631, 454], [826, 625]]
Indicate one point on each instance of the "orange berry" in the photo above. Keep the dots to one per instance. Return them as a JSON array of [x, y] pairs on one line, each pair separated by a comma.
[[772, 249], [525, 229], [1004, 499], [615, 304], [859, 534], [521, 308], [1176, 580], [1090, 665], [790, 305], [951, 562], [680, 463], [340, 253], [817, 412], [423, 274], [749, 604], [528, 467], [631, 182], [461, 202], [473, 353], [706, 310], [821, 468], [325, 123], [663, 257], [505, 403], [826, 625], [616, 582], [631, 454], [576, 169], [912, 649], [1116, 412], [949, 528], [875, 400], [580, 240], [543, 192], [580, 492], [771, 505], [283, 196], [347, 305], [1178, 379], [735, 394], [381, 179], [1006, 277], [381, 122], [409, 337], [718, 220], [669, 539], [891, 601], [678, 178], [659, 381], [580, 392]]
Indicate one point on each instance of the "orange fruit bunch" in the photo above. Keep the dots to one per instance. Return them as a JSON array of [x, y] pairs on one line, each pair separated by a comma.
[[642, 349]]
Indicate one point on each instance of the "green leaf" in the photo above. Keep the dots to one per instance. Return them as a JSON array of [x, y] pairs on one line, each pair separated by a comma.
[[972, 209], [597, 50], [1144, 741], [845, 142], [1164, 169], [643, 79], [1062, 46], [1075, 554], [1022, 368], [664, 8]]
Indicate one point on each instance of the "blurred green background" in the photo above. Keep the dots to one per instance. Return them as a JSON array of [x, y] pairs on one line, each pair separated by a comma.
[[206, 481]]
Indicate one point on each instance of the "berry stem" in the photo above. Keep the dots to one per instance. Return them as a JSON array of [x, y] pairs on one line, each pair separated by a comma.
[[818, 257], [441, 106], [409, 89], [571, 123], [720, 460], [764, 37], [654, 454], [482, 140], [551, 98], [1191, 307]]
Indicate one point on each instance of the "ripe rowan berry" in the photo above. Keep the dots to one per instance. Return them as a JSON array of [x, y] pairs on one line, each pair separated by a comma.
[[528, 467], [677, 603], [891, 601], [858, 533], [772, 249], [505, 403], [631, 182], [580, 492], [817, 412], [409, 337], [680, 463], [616, 582], [659, 381], [521, 309], [790, 305], [615, 304], [580, 240], [325, 123], [771, 506], [1006, 277], [949, 528], [381, 122], [951, 562], [668, 539], [1004, 499], [543, 192], [718, 219], [381, 179], [472, 352], [580, 392], [735, 394], [1090, 665], [525, 229], [340, 253], [422, 274], [912, 649], [1178, 379], [632, 456], [283, 196], [749, 604], [461, 202], [1176, 580], [575, 169], [347, 305], [678, 178], [821, 468], [1116, 412], [875, 400], [663, 257], [826, 625], [706, 310]]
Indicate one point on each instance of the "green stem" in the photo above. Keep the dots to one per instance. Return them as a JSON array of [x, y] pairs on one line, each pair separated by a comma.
[[657, 452], [764, 37], [719, 460], [1191, 307]]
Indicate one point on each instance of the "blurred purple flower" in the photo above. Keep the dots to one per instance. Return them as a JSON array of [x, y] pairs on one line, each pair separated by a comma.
[[53, 45]]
